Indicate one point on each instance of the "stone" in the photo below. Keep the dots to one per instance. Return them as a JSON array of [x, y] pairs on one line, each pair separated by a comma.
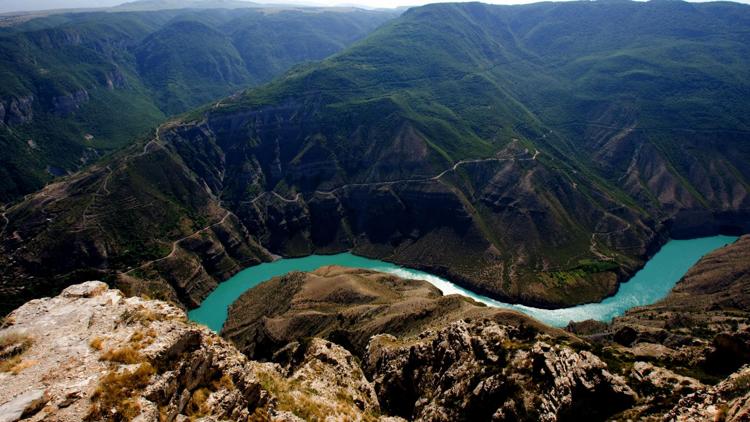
[[87, 289], [97, 337], [664, 381], [23, 405], [626, 336]]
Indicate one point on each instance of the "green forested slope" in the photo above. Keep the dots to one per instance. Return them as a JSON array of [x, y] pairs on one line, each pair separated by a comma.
[[81, 85]]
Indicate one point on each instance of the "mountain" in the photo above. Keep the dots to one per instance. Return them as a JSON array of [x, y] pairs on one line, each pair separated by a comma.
[[77, 86], [537, 154], [173, 58], [142, 5]]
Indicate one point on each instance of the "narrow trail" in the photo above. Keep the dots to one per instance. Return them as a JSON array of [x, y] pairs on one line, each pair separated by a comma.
[[177, 242], [145, 147], [103, 189], [440, 175], [594, 248], [86, 211]]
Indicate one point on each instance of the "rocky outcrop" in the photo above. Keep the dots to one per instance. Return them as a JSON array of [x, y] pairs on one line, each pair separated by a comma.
[[96, 355], [115, 79], [482, 370], [92, 354], [16, 111], [323, 373], [727, 401], [65, 105], [658, 386], [694, 338]]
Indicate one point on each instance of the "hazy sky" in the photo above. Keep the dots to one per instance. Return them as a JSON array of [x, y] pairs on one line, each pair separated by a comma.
[[29, 5]]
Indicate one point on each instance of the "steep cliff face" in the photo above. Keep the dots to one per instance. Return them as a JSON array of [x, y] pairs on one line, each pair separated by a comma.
[[144, 221], [511, 225], [468, 220]]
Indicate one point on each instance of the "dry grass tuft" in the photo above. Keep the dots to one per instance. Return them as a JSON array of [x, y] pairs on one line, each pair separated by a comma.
[[97, 343], [197, 407], [223, 383], [116, 395], [21, 365], [13, 345], [292, 397], [141, 315], [126, 354]]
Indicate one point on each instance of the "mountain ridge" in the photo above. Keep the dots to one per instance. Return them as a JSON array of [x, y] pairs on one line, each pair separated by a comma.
[[430, 153]]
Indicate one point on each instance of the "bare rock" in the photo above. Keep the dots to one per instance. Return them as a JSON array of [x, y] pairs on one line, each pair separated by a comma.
[[23, 405], [660, 382], [92, 353], [17, 110], [728, 401], [576, 381], [87, 289], [65, 105], [482, 370], [587, 327], [331, 376]]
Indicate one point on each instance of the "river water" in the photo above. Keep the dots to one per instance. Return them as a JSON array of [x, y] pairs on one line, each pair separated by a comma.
[[647, 286]]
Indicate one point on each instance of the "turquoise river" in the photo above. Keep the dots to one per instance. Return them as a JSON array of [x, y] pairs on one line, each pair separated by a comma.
[[647, 286]]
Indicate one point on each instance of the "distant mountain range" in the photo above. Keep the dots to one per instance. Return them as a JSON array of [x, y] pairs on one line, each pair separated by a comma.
[[76, 86], [60, 6], [536, 154]]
